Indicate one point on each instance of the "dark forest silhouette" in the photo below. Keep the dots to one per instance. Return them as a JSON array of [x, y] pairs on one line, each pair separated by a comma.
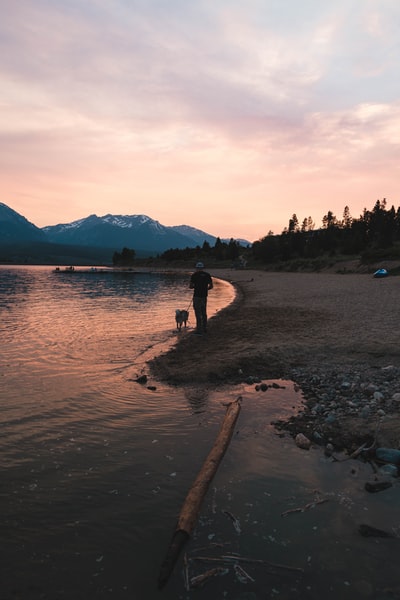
[[376, 233]]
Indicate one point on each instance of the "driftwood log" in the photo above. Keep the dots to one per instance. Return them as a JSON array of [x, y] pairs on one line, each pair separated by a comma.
[[191, 506]]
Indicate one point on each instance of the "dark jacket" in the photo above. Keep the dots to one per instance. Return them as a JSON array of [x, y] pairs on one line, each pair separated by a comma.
[[201, 282]]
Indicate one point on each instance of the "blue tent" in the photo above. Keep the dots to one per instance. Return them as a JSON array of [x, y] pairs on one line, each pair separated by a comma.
[[381, 273]]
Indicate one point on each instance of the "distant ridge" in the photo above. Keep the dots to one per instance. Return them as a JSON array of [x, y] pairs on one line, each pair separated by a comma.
[[16, 228], [140, 232]]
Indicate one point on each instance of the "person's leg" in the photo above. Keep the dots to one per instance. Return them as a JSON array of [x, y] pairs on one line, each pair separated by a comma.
[[204, 314], [197, 305]]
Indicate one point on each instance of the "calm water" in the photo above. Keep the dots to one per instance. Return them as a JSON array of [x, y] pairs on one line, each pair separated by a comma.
[[95, 467]]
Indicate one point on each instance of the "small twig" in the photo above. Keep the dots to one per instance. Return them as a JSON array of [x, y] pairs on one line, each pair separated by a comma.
[[237, 558], [359, 450], [242, 575], [200, 580], [212, 545], [354, 454], [374, 466], [363, 448], [375, 442], [304, 508], [186, 572], [235, 521], [317, 500], [214, 501]]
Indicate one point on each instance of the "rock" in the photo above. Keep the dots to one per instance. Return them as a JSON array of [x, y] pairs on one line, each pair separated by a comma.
[[377, 486], [152, 388], [389, 455], [370, 389], [396, 397], [251, 379], [389, 470], [331, 418], [302, 441], [318, 437], [263, 387], [141, 379], [368, 531], [329, 450]]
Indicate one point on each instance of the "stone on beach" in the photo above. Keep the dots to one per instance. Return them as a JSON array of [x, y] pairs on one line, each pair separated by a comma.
[[388, 455], [302, 441]]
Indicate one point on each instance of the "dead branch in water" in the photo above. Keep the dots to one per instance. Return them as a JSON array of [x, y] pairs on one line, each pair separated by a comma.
[[191, 506], [317, 500], [229, 558]]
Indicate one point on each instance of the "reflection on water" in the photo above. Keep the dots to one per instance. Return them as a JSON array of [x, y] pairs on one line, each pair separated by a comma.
[[14, 286], [95, 467]]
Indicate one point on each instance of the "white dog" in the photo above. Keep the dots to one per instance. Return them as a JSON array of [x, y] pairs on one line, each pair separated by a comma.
[[181, 318]]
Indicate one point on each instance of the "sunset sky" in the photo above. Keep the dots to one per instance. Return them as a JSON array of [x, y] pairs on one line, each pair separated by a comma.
[[227, 115]]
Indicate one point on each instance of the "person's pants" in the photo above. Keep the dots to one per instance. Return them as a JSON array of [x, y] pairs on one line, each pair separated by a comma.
[[200, 310]]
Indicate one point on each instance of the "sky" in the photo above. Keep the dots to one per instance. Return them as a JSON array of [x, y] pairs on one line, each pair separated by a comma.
[[227, 115]]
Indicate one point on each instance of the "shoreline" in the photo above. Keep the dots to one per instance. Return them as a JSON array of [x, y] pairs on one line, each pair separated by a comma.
[[333, 335]]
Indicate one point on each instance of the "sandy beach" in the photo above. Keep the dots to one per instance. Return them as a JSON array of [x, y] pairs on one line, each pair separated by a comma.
[[335, 335]]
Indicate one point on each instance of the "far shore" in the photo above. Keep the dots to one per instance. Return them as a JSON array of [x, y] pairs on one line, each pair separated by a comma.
[[321, 330]]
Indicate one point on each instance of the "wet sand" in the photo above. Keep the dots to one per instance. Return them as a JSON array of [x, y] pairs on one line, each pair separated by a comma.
[[285, 323]]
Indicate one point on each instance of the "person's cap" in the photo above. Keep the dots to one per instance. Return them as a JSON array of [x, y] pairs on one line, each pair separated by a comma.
[[199, 265]]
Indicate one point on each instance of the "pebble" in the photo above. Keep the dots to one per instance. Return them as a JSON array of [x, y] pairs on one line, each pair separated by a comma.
[[302, 441], [389, 455], [389, 469], [377, 486]]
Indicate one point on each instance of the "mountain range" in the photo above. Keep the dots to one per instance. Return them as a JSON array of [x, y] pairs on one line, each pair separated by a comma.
[[140, 232]]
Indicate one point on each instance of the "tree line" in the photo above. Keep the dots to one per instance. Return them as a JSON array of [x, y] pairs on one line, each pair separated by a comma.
[[220, 251], [375, 230]]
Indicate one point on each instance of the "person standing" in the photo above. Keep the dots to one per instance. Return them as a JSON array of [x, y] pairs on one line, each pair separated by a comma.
[[201, 282]]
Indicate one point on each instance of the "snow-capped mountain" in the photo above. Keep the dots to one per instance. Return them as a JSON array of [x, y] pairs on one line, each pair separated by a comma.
[[116, 231]]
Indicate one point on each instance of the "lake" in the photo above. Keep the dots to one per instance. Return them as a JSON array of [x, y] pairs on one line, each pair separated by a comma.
[[95, 467]]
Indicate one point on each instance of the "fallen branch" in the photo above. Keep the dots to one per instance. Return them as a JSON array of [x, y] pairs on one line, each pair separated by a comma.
[[235, 521], [229, 558], [242, 575], [191, 506], [351, 456], [317, 500], [200, 580], [363, 448], [186, 573]]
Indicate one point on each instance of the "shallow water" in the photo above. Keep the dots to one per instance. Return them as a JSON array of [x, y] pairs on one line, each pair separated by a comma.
[[95, 467]]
